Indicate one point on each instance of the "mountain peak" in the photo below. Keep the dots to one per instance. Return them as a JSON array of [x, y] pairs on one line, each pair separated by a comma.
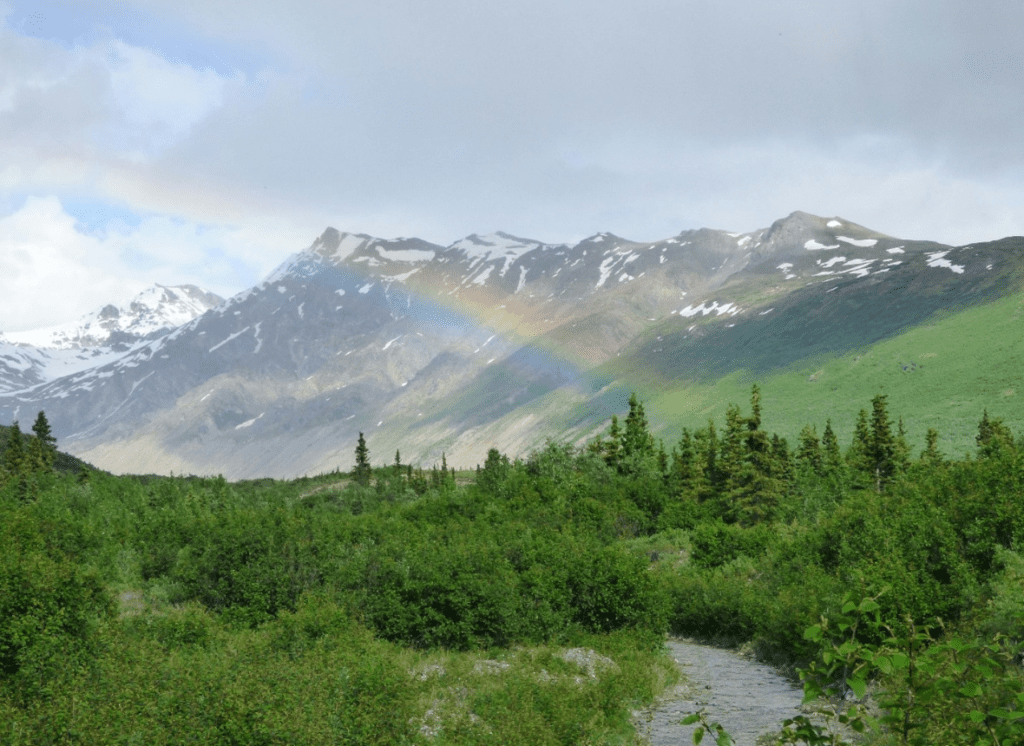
[[154, 310]]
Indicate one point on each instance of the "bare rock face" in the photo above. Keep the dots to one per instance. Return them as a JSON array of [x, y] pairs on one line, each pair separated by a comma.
[[493, 341]]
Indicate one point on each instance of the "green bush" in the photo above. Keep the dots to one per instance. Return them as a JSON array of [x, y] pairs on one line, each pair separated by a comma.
[[717, 543], [716, 603], [49, 608]]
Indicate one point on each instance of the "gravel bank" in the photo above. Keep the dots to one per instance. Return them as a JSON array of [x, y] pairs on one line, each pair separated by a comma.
[[748, 698]]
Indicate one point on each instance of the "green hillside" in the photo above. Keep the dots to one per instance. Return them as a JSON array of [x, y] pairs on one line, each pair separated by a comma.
[[940, 374]]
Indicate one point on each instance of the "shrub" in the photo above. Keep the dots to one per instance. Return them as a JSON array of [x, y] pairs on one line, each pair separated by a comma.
[[48, 609]]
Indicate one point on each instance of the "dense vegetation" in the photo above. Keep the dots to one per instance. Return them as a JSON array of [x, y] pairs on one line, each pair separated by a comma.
[[397, 605]]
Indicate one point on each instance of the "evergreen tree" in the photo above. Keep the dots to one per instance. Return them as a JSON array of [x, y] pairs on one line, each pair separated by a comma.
[[832, 459], [754, 423], [808, 451], [857, 455], [711, 466], [931, 453], [362, 470], [763, 467], [15, 461], [993, 437], [685, 469], [637, 441], [14, 454], [782, 461], [882, 450], [901, 453], [759, 445], [731, 455], [42, 450]]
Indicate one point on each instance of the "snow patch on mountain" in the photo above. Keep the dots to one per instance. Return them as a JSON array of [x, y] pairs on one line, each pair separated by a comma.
[[861, 242], [937, 259], [155, 309], [813, 245], [230, 337], [703, 309], [495, 246]]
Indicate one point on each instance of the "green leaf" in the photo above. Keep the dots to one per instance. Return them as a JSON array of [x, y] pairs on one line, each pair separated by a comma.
[[813, 633], [867, 605], [971, 689], [698, 736], [884, 664], [859, 686], [690, 719], [848, 607]]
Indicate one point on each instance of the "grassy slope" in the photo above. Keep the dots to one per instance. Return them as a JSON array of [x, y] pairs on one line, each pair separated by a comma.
[[965, 362]]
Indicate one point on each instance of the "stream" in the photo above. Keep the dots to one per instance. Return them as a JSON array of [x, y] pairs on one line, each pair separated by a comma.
[[748, 698]]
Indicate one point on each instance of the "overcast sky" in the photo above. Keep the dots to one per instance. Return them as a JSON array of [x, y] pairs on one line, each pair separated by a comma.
[[204, 141]]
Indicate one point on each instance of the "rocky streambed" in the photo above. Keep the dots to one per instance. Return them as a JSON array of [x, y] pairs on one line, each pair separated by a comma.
[[748, 698]]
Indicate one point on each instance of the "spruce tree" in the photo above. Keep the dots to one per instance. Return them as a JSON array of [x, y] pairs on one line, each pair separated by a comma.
[[15, 461], [882, 449], [931, 453], [731, 454], [993, 437], [712, 466], [832, 459], [759, 445], [685, 469], [14, 454], [901, 452], [362, 470], [808, 450], [42, 450], [754, 423], [637, 441], [782, 461]]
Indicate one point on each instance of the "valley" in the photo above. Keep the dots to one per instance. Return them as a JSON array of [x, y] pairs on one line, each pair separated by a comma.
[[508, 342]]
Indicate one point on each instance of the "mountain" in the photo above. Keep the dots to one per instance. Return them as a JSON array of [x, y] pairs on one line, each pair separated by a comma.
[[30, 358], [494, 340], [149, 314]]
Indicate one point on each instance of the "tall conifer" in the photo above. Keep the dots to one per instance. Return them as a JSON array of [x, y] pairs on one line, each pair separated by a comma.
[[362, 470], [42, 450]]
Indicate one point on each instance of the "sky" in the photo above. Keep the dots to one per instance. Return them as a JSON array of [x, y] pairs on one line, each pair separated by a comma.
[[204, 141]]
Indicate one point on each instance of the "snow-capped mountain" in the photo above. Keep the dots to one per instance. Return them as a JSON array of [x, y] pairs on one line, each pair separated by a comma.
[[34, 357], [493, 340], [154, 311]]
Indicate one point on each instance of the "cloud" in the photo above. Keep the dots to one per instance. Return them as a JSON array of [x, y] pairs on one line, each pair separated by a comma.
[[52, 270], [552, 120], [102, 100]]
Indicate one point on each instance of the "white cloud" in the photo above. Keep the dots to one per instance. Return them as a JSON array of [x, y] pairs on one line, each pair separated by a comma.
[[104, 99], [52, 272], [49, 271]]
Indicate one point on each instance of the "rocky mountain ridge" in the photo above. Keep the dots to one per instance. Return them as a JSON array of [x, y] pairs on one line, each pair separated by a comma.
[[494, 340]]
